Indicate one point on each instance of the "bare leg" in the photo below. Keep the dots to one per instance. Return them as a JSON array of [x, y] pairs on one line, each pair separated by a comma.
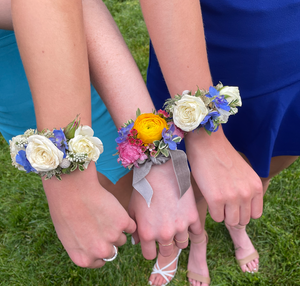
[[242, 242]]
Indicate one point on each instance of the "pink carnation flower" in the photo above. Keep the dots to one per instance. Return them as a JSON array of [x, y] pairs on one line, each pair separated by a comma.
[[129, 154]]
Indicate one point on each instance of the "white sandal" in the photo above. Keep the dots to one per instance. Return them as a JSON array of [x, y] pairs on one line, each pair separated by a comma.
[[166, 273]]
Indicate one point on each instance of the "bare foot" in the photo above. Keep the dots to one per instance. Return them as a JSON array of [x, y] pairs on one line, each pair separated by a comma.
[[243, 248], [165, 268], [197, 260]]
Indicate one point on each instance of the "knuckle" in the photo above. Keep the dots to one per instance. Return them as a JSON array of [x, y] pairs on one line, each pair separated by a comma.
[[82, 261], [166, 235]]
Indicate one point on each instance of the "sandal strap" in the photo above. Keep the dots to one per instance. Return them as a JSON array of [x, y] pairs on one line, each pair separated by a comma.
[[249, 258], [164, 273], [198, 277]]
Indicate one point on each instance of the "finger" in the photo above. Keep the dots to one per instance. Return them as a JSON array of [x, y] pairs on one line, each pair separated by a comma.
[[182, 239], [113, 254], [166, 248], [245, 212], [148, 249], [257, 206], [195, 227], [131, 227], [121, 240], [216, 211], [134, 236], [97, 264], [232, 214]]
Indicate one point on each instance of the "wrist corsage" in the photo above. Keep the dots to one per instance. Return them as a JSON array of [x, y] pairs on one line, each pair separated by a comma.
[[206, 109], [151, 139], [53, 153]]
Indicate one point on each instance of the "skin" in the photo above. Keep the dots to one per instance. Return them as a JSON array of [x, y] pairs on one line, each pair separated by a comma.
[[67, 88]]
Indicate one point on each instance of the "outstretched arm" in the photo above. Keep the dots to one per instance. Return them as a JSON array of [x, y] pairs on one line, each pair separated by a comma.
[[232, 189], [51, 40], [118, 80]]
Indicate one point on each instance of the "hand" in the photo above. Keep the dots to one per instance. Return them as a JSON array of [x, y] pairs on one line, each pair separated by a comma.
[[168, 216], [230, 186], [88, 219]]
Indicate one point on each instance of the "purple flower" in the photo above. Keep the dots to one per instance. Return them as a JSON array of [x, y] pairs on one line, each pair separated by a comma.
[[22, 160], [60, 141], [168, 137], [220, 101], [123, 132], [208, 121]]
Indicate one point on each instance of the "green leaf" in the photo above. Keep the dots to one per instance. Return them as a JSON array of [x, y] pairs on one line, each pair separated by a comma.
[[162, 145], [156, 143], [177, 139], [74, 167], [165, 152], [207, 131], [198, 93], [58, 177], [81, 168], [138, 112], [157, 153]]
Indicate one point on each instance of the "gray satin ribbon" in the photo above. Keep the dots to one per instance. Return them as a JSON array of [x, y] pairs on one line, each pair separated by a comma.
[[180, 166]]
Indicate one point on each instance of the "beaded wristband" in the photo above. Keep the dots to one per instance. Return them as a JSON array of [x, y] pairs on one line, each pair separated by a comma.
[[53, 153], [206, 109], [151, 140]]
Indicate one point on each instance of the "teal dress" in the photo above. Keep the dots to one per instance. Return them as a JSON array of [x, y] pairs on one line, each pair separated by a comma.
[[254, 45], [17, 111]]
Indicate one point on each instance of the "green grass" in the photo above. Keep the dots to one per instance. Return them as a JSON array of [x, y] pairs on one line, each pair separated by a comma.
[[31, 254]]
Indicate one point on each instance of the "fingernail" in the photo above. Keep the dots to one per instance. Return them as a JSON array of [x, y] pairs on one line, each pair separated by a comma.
[[150, 283], [254, 268], [133, 243], [252, 272]]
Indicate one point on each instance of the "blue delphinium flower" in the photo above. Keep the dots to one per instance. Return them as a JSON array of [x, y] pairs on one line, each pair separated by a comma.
[[22, 160], [219, 100], [60, 141], [123, 132], [208, 121], [168, 137]]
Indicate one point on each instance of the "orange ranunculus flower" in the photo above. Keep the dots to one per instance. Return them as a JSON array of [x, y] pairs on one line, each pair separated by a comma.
[[149, 127]]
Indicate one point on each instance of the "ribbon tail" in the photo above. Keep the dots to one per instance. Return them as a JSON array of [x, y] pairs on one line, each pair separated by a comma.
[[141, 184], [181, 169]]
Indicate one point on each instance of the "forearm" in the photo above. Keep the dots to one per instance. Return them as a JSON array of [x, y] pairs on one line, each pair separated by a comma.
[[50, 37], [177, 34], [113, 70], [5, 15]]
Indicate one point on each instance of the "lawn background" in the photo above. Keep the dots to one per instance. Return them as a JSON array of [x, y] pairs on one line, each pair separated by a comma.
[[31, 254]]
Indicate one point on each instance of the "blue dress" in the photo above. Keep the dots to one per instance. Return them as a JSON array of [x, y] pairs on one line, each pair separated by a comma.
[[17, 111], [254, 45]]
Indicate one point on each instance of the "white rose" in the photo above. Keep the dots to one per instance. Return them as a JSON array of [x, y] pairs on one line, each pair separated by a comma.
[[14, 149], [232, 93], [84, 142], [189, 112], [42, 154]]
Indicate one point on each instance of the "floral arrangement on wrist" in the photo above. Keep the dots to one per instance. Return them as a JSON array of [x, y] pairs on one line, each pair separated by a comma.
[[150, 135], [53, 153], [206, 109]]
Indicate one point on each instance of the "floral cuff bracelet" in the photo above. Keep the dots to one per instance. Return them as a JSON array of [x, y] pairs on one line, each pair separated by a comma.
[[53, 153]]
